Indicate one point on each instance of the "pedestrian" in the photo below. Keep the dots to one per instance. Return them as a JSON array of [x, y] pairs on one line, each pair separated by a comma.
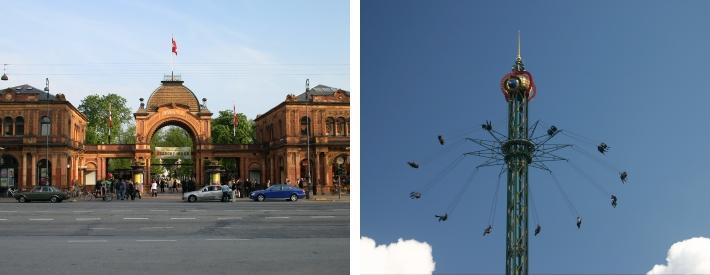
[[122, 189], [131, 189], [162, 186], [154, 189], [234, 191], [225, 192], [300, 183], [139, 189]]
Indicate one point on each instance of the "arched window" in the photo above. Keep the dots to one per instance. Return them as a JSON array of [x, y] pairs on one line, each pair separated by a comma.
[[330, 126], [305, 126], [347, 127], [19, 126], [341, 126], [46, 125], [7, 126], [44, 169]]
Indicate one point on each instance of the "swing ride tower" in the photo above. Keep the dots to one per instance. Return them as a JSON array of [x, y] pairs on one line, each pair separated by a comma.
[[518, 150]]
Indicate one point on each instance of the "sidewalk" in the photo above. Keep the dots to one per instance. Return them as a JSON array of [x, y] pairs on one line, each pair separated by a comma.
[[343, 198]]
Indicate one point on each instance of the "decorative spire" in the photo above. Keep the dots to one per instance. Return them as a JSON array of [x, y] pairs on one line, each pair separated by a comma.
[[519, 66]]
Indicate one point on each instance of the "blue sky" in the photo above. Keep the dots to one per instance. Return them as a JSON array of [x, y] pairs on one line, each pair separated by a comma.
[[629, 73], [251, 53]]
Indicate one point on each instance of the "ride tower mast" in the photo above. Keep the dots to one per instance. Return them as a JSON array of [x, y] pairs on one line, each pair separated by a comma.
[[518, 88]]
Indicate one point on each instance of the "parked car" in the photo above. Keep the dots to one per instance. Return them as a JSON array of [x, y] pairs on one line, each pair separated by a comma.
[[278, 191], [207, 193], [41, 193]]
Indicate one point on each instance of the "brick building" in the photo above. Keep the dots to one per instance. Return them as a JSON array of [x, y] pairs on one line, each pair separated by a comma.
[[284, 132], [37, 126], [278, 155]]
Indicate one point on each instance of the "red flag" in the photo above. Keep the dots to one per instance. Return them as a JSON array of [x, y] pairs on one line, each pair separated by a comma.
[[174, 46], [110, 119]]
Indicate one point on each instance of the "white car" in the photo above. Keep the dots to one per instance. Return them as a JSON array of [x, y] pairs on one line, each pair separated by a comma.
[[207, 193]]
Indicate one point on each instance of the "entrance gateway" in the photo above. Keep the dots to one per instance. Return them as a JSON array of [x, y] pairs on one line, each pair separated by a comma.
[[173, 104]]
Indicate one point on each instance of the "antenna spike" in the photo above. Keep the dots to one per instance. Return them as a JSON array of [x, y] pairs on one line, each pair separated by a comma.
[[518, 57]]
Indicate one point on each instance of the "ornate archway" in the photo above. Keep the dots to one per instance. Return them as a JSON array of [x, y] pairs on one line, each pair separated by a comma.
[[173, 104]]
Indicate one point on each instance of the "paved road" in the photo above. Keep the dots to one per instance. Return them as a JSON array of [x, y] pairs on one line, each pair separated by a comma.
[[171, 237]]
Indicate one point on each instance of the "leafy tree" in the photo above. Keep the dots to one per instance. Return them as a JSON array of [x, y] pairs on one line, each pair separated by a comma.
[[171, 136], [96, 109], [222, 129]]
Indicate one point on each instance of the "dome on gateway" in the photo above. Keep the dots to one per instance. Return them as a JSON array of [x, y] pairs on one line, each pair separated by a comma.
[[171, 92]]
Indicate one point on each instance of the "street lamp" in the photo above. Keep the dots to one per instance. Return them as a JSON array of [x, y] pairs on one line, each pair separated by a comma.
[[340, 162], [308, 142], [68, 174], [46, 122]]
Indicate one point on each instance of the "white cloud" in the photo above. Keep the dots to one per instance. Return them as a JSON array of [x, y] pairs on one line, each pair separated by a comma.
[[402, 257], [691, 256]]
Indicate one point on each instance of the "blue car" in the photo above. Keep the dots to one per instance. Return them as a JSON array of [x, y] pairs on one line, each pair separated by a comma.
[[278, 191]]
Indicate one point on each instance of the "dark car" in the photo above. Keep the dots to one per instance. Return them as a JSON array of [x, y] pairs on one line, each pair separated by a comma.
[[278, 191], [41, 193]]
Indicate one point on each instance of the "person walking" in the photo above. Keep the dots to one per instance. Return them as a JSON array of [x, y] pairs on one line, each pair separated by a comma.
[[131, 189], [225, 192], [139, 190], [122, 190], [154, 189]]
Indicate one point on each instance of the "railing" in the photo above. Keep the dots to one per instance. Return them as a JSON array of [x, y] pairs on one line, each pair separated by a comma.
[[172, 77]]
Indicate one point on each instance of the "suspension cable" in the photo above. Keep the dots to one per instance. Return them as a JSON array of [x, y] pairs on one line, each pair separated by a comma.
[[452, 206], [586, 176], [439, 177], [570, 206], [494, 203]]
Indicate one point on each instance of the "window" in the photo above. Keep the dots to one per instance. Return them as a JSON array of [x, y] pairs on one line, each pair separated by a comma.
[[305, 126], [19, 126], [7, 126], [341, 126], [330, 126], [46, 125]]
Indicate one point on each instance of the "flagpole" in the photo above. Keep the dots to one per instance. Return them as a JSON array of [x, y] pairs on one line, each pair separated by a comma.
[[172, 59], [110, 125]]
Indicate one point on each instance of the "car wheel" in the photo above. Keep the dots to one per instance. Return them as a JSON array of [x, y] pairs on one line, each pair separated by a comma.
[[260, 197], [22, 199], [53, 199], [192, 198], [294, 197]]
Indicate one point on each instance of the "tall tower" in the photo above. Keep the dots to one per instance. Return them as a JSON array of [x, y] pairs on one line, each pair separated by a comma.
[[518, 88]]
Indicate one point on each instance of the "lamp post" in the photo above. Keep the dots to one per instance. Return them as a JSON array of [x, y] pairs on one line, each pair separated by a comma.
[[68, 174], [308, 142], [46, 122], [340, 162]]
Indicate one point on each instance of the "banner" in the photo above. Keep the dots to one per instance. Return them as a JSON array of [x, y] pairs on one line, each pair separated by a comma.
[[173, 152]]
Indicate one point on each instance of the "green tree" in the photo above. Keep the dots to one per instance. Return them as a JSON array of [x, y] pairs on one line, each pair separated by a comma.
[[96, 109], [222, 129], [172, 136]]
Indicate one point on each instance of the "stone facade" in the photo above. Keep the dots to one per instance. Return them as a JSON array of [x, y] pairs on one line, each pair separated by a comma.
[[279, 154], [284, 132], [26, 144]]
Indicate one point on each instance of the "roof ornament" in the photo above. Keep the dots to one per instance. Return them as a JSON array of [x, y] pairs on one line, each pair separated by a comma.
[[4, 75], [519, 66]]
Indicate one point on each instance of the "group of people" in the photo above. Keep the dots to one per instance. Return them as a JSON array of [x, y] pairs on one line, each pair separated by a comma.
[[124, 189], [242, 189]]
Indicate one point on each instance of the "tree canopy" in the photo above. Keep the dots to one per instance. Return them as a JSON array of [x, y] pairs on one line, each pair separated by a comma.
[[222, 129], [96, 109]]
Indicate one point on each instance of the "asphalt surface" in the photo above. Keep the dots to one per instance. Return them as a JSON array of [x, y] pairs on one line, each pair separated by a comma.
[[166, 236]]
